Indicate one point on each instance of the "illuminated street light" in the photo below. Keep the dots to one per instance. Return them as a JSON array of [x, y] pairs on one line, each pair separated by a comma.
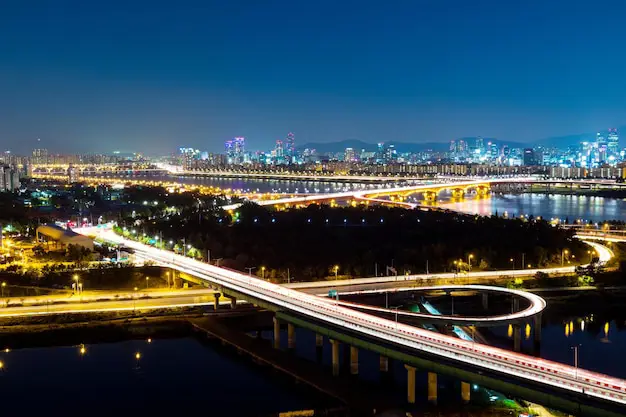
[[138, 355], [512, 263], [82, 350], [263, 272], [336, 268], [469, 261], [4, 284], [563, 253]]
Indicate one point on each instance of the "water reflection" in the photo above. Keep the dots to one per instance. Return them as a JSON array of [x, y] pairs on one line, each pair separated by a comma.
[[572, 207]]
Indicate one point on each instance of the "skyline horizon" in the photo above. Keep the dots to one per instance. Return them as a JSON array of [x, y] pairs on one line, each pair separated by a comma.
[[38, 144]]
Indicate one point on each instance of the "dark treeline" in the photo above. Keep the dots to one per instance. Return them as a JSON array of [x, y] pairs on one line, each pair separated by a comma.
[[311, 241]]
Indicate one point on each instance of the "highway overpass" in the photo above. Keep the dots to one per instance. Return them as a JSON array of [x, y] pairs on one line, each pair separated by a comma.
[[547, 375]]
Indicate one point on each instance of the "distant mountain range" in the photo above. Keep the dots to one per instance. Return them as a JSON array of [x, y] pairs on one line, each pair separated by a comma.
[[561, 142], [402, 147]]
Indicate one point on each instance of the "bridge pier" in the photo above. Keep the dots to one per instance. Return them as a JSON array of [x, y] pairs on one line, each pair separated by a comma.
[[432, 388], [537, 325], [384, 363], [515, 306], [465, 392], [354, 360], [319, 340], [233, 303], [276, 333], [334, 344], [410, 386], [517, 337], [216, 303], [319, 347], [291, 336], [485, 301]]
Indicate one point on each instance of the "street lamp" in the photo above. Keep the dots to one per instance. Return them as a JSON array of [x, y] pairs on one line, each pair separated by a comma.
[[512, 263], [76, 283], [147, 282], [575, 349], [263, 272], [4, 284], [250, 270], [167, 274], [336, 269], [134, 299], [563, 253], [469, 261]]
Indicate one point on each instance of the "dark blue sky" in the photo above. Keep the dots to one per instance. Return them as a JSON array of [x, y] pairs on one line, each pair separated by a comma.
[[153, 75]]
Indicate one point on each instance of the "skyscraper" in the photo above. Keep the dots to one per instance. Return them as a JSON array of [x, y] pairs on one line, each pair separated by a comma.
[[612, 143], [290, 147]]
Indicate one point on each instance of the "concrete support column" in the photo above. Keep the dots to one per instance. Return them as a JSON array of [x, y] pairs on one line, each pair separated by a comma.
[[319, 340], [465, 392], [432, 388], [216, 304], [384, 363], [515, 305], [537, 325], [410, 393], [517, 338], [354, 360], [334, 344], [276, 333], [291, 336], [485, 301], [233, 303]]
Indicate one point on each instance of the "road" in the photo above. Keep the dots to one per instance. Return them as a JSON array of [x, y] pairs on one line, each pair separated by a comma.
[[129, 302], [604, 255], [530, 369]]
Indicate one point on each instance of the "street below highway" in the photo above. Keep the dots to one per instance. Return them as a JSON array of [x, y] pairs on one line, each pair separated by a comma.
[[114, 302]]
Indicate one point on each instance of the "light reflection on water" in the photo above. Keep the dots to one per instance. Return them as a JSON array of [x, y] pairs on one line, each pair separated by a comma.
[[572, 207]]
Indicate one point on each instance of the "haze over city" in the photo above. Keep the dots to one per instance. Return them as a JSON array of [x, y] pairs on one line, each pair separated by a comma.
[[153, 76]]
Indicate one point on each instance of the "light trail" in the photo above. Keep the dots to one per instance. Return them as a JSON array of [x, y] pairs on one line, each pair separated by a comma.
[[531, 369], [537, 305]]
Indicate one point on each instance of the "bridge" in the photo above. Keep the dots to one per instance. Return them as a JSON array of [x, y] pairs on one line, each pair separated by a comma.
[[296, 307]]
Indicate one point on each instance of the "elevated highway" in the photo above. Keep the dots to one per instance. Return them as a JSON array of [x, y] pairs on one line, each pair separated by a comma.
[[533, 371]]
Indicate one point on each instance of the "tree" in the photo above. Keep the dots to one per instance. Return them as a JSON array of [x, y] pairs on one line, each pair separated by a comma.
[[77, 253]]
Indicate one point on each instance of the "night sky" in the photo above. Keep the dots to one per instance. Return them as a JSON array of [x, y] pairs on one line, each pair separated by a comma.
[[151, 76]]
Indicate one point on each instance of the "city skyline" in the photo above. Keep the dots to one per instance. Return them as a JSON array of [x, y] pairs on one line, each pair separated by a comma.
[[90, 78]]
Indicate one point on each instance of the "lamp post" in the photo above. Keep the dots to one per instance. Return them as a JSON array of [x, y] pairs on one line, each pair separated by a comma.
[[147, 282], [4, 284], [336, 269], [263, 272], [134, 299], [575, 349], [563, 253], [167, 274], [250, 270], [76, 283], [469, 261], [512, 263], [208, 256]]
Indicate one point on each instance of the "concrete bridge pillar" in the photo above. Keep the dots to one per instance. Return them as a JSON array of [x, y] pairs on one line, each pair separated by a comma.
[[334, 344], [465, 392], [233, 303], [537, 326], [517, 337], [216, 303], [515, 304], [319, 340], [432, 388], [291, 336], [354, 360], [410, 393], [276, 333], [384, 363], [485, 301]]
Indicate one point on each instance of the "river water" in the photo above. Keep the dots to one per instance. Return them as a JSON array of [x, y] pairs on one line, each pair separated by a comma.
[[571, 207], [173, 377]]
